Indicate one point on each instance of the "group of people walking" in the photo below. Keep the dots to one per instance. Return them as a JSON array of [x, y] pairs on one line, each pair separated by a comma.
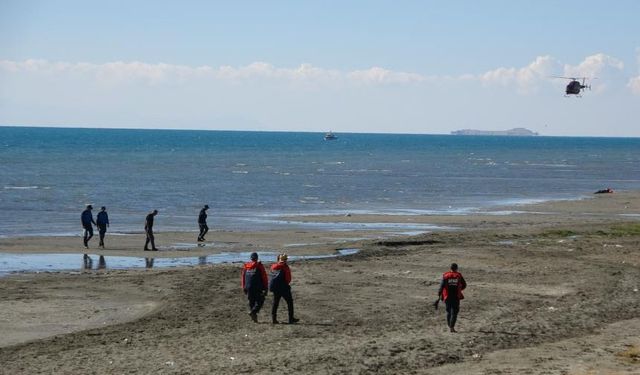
[[255, 282], [256, 285], [102, 223]]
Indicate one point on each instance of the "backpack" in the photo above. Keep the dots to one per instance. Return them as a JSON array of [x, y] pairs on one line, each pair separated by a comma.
[[276, 281], [252, 279]]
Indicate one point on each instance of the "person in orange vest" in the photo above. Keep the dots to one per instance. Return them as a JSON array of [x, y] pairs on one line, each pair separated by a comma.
[[450, 292], [279, 286], [254, 285]]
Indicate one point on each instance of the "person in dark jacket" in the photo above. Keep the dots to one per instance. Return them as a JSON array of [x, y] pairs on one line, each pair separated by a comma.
[[279, 286], [148, 229], [254, 285], [87, 225], [450, 292], [102, 222], [202, 223]]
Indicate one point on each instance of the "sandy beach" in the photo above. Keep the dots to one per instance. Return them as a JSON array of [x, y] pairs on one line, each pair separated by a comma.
[[552, 289]]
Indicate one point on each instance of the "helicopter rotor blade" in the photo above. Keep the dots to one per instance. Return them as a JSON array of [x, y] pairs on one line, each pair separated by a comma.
[[571, 78]]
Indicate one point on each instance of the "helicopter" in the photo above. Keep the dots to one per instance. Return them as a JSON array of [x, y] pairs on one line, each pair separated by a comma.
[[575, 87]]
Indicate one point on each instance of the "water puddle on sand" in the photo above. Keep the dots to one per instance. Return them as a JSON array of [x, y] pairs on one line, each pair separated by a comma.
[[13, 263]]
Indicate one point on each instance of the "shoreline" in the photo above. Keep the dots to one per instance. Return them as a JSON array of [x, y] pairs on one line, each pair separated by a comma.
[[264, 221], [323, 234]]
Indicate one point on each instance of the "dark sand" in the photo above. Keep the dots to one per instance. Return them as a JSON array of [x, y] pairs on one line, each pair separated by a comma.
[[553, 293]]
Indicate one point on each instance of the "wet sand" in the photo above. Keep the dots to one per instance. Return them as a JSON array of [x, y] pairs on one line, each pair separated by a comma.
[[552, 290], [178, 244]]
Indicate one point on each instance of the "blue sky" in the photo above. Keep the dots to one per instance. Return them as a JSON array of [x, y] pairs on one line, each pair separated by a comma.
[[363, 66]]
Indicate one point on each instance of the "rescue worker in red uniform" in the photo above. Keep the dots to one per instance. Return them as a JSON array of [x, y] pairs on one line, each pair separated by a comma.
[[254, 285], [279, 286], [450, 292]]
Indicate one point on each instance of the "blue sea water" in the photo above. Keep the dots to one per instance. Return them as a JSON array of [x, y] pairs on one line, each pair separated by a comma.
[[47, 175]]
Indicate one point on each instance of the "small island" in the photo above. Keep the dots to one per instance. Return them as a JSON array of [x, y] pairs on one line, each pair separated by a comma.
[[511, 132]]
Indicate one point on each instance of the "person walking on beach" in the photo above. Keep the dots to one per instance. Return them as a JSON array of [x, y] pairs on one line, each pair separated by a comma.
[[202, 223], [279, 286], [254, 285], [87, 224], [148, 229], [102, 222], [450, 292]]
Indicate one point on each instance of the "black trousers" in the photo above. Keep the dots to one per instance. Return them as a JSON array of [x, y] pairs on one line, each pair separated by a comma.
[[88, 233], [204, 228], [256, 300], [453, 307], [286, 294], [102, 229], [151, 239]]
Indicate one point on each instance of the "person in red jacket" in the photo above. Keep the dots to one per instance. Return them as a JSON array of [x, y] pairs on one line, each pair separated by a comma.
[[450, 292], [279, 285], [254, 285]]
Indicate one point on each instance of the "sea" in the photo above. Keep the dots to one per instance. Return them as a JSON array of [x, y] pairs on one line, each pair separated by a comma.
[[251, 179]]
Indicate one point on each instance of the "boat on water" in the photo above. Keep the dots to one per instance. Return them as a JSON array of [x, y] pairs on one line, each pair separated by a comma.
[[330, 137]]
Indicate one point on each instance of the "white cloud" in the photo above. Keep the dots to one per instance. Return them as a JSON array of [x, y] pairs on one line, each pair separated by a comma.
[[634, 82], [262, 70], [634, 85], [598, 66], [380, 75], [593, 66], [121, 72], [527, 78], [524, 78]]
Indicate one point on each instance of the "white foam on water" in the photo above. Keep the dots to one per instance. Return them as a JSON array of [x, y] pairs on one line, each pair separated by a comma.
[[530, 201], [411, 233], [513, 212], [302, 244], [348, 226]]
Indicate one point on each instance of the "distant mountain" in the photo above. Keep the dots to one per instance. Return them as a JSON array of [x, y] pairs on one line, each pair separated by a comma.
[[513, 132]]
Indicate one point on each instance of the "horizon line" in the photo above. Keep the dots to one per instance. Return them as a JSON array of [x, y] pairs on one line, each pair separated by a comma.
[[308, 131]]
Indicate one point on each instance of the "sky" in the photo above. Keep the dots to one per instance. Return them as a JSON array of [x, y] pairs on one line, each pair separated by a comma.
[[423, 67]]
